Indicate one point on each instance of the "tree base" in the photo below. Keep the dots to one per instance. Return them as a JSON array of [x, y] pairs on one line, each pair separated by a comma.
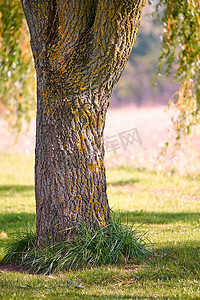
[[113, 244]]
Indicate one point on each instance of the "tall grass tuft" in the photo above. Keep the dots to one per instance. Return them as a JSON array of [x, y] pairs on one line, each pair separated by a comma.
[[89, 247], [19, 243]]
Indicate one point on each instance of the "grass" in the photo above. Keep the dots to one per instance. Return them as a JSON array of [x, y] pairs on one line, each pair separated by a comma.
[[113, 244], [165, 203]]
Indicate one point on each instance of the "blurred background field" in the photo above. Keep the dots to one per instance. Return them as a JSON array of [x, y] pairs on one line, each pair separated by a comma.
[[154, 128]]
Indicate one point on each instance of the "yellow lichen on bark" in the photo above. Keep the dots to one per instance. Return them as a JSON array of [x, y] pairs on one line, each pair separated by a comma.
[[80, 49]]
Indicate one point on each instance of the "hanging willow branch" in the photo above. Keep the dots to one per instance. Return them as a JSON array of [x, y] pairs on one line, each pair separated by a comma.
[[180, 55], [17, 83]]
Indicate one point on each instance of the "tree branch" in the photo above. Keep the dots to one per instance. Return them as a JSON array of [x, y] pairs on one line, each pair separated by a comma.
[[114, 33], [76, 38]]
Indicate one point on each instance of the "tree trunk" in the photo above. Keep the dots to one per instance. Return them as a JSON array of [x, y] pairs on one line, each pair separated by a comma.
[[80, 49]]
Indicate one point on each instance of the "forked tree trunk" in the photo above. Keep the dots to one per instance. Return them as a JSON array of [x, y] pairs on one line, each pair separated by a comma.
[[80, 49]]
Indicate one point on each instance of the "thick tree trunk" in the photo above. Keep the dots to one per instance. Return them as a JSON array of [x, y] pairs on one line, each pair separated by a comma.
[[69, 170], [80, 49]]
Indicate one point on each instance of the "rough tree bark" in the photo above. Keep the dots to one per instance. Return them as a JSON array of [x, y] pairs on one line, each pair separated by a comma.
[[80, 50]]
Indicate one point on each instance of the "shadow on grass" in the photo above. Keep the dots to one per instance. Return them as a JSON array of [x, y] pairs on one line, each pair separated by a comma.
[[86, 296], [14, 221], [123, 182], [180, 261], [159, 217], [130, 169], [16, 188]]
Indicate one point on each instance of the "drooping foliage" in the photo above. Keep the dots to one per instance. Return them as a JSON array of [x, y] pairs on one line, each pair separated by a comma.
[[17, 82], [180, 55]]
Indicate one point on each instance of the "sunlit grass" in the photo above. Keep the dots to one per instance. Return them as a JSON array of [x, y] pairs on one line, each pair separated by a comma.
[[148, 196], [16, 184], [166, 204]]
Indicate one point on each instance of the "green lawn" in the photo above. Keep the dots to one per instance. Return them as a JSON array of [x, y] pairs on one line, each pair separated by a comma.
[[167, 206]]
